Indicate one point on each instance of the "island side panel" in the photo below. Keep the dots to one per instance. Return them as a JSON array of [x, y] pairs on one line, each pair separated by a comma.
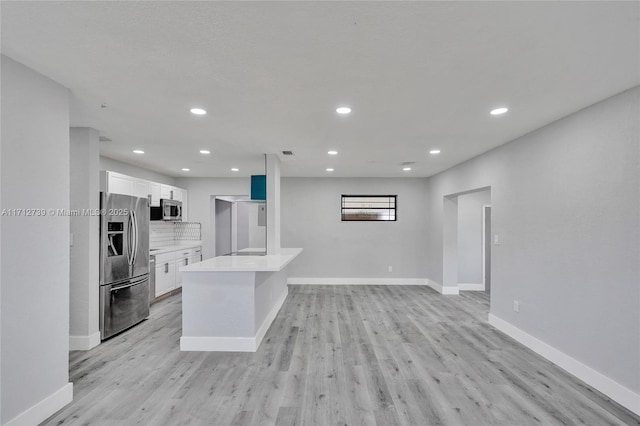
[[270, 293], [218, 312]]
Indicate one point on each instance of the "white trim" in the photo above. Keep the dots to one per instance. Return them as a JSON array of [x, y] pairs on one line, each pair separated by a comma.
[[233, 344], [374, 281], [619, 393], [471, 286], [449, 291], [39, 412], [446, 291], [484, 244], [218, 344], [84, 343], [358, 281]]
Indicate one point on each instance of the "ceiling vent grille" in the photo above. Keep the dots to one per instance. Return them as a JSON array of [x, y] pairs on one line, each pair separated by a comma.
[[104, 139], [287, 152]]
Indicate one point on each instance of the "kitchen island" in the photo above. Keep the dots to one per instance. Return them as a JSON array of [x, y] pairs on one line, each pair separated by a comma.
[[229, 302]]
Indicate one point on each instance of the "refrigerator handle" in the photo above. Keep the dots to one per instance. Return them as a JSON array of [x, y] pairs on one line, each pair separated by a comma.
[[130, 239], [134, 255]]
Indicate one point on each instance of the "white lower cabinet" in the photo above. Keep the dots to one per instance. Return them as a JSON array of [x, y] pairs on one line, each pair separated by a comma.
[[168, 275], [181, 261], [165, 276]]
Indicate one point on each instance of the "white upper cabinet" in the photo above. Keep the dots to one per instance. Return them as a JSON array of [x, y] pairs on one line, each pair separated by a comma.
[[142, 188], [120, 184], [117, 183], [155, 191]]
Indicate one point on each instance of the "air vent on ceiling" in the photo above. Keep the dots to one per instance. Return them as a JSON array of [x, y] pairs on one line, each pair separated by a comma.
[[287, 152], [104, 139], [407, 163]]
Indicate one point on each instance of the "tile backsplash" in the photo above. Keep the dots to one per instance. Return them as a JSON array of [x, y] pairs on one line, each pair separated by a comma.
[[169, 232]]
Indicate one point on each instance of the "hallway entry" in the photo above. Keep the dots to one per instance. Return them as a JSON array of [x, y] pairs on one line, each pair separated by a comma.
[[467, 241]]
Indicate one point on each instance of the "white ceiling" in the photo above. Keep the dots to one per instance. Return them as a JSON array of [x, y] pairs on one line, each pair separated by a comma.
[[418, 75]]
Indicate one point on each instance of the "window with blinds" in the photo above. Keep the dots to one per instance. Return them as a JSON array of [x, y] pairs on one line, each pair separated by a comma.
[[368, 208]]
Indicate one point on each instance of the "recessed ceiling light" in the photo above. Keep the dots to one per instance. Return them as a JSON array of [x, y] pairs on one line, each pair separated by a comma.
[[185, 169], [235, 170], [205, 151], [499, 111], [406, 169], [329, 170], [138, 151], [343, 110], [332, 152], [198, 111], [434, 151]]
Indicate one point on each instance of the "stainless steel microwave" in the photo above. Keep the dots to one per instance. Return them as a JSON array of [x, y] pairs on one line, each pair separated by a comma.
[[170, 210]]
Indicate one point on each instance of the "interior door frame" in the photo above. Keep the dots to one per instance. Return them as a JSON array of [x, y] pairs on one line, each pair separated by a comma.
[[484, 244]]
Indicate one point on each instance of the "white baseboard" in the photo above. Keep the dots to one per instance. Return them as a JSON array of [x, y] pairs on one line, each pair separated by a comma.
[[84, 343], [374, 281], [233, 344], [36, 414], [614, 390], [447, 291], [470, 286], [358, 281], [218, 344]]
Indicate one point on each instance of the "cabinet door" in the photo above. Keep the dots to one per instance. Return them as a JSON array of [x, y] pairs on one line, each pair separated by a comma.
[[166, 192], [142, 188], [155, 191], [185, 213], [165, 277], [181, 261], [121, 184], [177, 194]]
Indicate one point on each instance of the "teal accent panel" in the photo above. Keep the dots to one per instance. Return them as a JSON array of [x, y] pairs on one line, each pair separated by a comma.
[[258, 187]]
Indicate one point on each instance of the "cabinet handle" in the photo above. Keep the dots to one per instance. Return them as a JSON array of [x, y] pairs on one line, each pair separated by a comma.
[[186, 262], [166, 268]]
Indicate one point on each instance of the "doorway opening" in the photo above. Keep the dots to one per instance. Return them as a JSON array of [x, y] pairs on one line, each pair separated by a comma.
[[467, 241], [238, 225]]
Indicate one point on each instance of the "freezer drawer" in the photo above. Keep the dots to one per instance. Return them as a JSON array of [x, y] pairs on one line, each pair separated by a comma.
[[123, 305]]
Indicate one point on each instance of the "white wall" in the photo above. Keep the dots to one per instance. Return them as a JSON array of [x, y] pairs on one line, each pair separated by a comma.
[[565, 204], [257, 233], [35, 250], [199, 204], [135, 171], [223, 227], [470, 236], [84, 253], [336, 249]]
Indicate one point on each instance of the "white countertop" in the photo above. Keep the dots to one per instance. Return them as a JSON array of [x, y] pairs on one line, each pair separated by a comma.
[[269, 262], [178, 245]]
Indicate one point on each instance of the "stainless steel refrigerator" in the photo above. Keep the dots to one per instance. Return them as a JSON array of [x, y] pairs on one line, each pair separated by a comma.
[[124, 262]]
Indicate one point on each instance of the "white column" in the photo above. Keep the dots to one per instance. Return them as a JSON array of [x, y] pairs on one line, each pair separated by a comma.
[[273, 203], [450, 245], [84, 332]]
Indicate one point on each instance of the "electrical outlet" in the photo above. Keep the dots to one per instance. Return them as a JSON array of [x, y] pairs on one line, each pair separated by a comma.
[[390, 268], [496, 239], [516, 306]]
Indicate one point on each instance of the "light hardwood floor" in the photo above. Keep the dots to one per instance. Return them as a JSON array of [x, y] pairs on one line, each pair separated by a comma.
[[335, 355]]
